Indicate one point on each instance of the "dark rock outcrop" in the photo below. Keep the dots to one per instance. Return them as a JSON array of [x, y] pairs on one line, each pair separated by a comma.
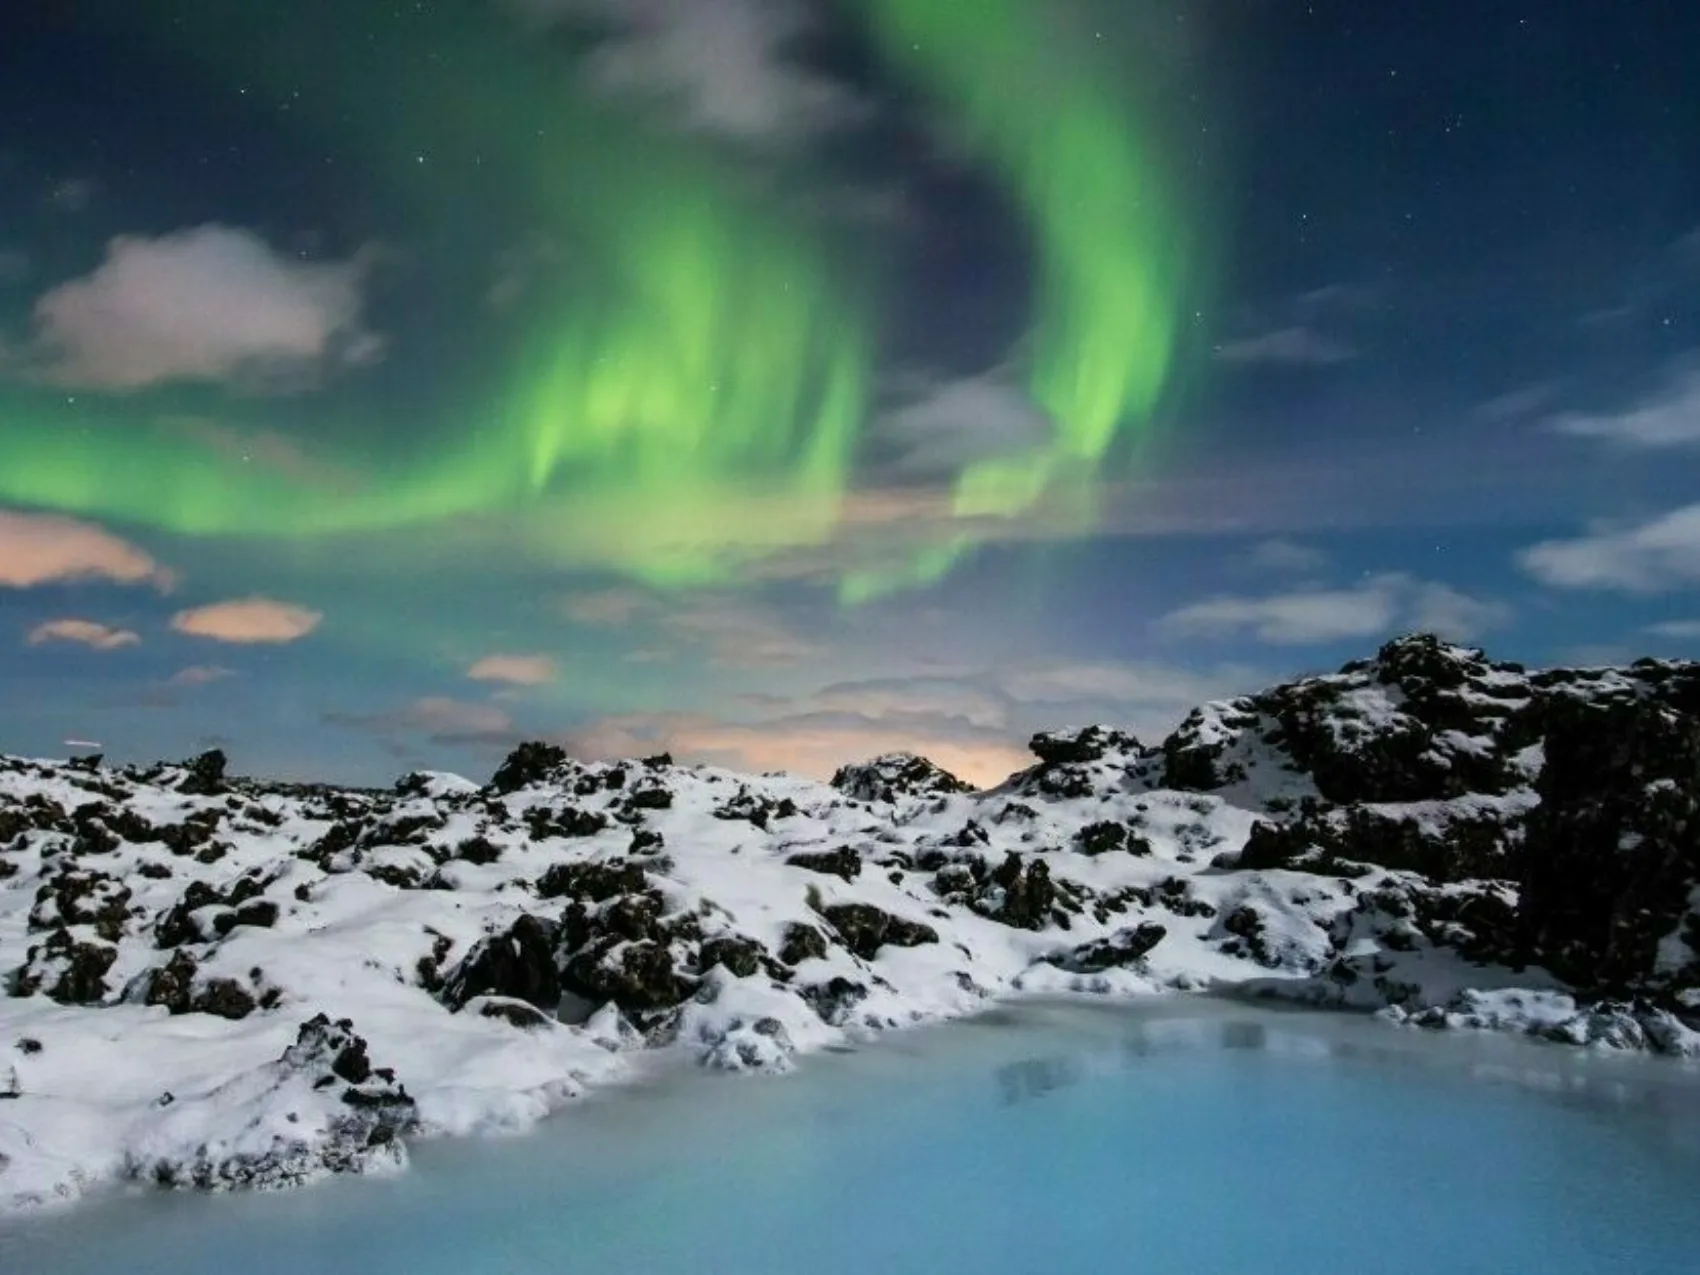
[[518, 964], [843, 862], [530, 763], [865, 929], [886, 779]]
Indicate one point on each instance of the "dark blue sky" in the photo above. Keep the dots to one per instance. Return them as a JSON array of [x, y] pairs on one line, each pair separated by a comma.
[[1437, 365]]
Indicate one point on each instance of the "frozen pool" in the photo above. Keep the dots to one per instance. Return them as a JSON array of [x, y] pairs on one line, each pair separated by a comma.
[[1185, 1137]]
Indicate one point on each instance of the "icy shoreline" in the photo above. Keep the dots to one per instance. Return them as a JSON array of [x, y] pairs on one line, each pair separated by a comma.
[[218, 983]]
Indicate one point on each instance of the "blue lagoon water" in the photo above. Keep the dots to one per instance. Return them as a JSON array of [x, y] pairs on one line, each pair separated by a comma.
[[1183, 1137]]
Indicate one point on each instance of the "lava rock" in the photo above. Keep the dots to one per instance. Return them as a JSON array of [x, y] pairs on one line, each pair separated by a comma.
[[865, 929], [1124, 947], [895, 775], [518, 964], [530, 763], [844, 862]]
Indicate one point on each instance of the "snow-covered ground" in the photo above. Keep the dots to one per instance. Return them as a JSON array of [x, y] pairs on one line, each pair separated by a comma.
[[480, 955]]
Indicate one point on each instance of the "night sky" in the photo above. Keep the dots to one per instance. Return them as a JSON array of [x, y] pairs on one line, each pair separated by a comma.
[[782, 381]]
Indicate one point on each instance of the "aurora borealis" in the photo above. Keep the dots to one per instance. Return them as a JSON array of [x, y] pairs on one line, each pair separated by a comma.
[[783, 380], [710, 351]]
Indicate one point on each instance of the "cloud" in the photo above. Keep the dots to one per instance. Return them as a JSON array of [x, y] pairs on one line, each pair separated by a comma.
[[733, 632], [210, 304], [37, 549], [248, 621], [1680, 630], [83, 633], [1296, 346], [82, 743], [1369, 609], [721, 67], [1516, 404], [948, 425], [909, 699], [514, 670], [1670, 417], [1439, 608], [606, 608], [1650, 557], [200, 675], [440, 720], [1280, 554], [813, 745]]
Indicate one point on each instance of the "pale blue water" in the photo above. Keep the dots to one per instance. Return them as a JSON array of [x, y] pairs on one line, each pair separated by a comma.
[[1192, 1138]]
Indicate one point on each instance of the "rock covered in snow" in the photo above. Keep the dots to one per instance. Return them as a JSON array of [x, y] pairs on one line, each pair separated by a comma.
[[1448, 840], [321, 1108]]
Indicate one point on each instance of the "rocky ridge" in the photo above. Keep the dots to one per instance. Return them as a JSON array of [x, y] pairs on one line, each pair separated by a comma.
[[195, 964]]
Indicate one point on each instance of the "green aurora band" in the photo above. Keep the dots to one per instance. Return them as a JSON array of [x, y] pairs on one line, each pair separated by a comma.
[[693, 401]]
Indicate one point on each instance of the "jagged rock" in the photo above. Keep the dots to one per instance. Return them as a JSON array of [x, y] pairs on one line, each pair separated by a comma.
[[1614, 847], [843, 862], [592, 881], [638, 977], [1124, 947], [66, 969], [1026, 894], [885, 779], [178, 986], [742, 1045], [519, 964], [345, 1116], [567, 821], [515, 1013], [1073, 748], [205, 774], [802, 943], [81, 896], [530, 763], [834, 999], [865, 929], [649, 796], [755, 809], [739, 955]]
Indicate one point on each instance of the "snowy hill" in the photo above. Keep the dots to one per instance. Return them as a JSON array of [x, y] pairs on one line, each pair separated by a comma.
[[219, 982]]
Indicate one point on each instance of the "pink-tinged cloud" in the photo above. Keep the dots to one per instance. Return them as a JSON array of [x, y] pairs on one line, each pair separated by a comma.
[[814, 748], [99, 637], [38, 549], [213, 303], [248, 621], [514, 670]]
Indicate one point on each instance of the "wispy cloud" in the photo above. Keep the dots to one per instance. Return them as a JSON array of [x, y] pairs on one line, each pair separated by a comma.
[[1654, 556], [514, 670], [1280, 554], [1678, 630], [210, 304], [720, 67], [89, 633], [1374, 607], [437, 720], [1295, 346], [248, 621], [200, 675], [943, 426], [38, 549], [730, 630], [1668, 417]]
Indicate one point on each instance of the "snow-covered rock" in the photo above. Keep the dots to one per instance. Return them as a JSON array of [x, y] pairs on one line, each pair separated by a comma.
[[1451, 841]]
